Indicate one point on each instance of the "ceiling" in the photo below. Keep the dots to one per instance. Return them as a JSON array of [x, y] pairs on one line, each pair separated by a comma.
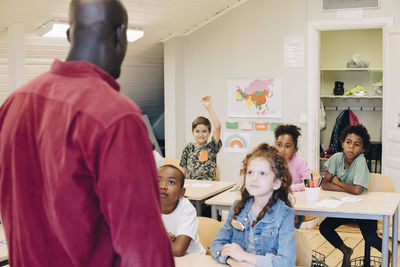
[[160, 19]]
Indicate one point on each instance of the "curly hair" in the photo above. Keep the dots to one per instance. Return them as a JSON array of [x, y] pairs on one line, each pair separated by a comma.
[[201, 120], [281, 171], [289, 129], [359, 130]]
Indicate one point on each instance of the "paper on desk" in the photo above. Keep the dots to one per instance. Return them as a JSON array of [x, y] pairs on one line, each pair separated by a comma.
[[329, 203], [351, 199], [200, 185]]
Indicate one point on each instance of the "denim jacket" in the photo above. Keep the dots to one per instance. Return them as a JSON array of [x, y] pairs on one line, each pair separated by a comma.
[[274, 235]]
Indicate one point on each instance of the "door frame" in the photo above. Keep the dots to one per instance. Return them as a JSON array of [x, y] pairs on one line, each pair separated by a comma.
[[313, 73]]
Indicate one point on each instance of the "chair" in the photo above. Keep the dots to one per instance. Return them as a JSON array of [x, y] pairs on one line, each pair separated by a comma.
[[217, 174], [377, 183], [303, 249], [208, 228], [175, 162], [315, 173]]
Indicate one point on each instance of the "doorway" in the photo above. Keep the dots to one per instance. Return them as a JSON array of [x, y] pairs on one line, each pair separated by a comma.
[[316, 30]]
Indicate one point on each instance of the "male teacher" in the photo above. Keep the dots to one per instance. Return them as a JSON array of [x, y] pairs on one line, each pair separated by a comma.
[[78, 184]]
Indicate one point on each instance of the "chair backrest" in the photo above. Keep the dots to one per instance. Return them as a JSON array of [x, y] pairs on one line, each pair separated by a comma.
[[208, 228], [217, 174], [380, 183], [173, 161], [315, 173], [303, 249]]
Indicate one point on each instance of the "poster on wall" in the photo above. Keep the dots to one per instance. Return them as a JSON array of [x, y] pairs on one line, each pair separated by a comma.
[[236, 142], [255, 98]]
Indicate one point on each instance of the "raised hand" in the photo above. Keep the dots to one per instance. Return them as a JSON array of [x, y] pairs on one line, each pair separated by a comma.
[[206, 101]]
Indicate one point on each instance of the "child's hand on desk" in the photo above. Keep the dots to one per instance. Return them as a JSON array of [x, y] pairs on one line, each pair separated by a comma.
[[336, 180], [171, 237], [234, 263], [234, 251]]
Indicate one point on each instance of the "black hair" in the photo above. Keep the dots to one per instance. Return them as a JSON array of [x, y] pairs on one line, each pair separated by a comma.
[[180, 172], [359, 130], [201, 120], [289, 129]]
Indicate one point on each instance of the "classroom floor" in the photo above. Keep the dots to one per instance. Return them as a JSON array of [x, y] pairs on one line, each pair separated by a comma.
[[351, 236]]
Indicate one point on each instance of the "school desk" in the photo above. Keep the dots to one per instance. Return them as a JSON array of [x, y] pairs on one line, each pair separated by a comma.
[[197, 260], [374, 206], [197, 191], [3, 247]]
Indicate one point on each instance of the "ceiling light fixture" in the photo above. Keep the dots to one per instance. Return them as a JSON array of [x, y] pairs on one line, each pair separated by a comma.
[[57, 29]]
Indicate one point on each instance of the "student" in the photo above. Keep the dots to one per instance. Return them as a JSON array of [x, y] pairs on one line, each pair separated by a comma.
[[259, 230], [347, 171], [199, 159], [178, 214], [286, 137]]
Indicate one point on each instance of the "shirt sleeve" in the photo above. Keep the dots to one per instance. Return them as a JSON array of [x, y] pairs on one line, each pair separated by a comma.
[[332, 163], [302, 170], [216, 147], [184, 157], [361, 174], [286, 254], [128, 194], [224, 236], [188, 223]]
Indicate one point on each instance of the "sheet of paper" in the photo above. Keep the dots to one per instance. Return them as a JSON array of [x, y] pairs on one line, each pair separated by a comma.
[[329, 203], [200, 185], [351, 199]]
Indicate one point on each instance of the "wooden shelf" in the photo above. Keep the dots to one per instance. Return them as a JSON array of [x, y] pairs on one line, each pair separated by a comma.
[[351, 69], [351, 97]]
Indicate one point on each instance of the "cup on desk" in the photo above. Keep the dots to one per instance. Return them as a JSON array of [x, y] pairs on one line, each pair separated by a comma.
[[312, 193]]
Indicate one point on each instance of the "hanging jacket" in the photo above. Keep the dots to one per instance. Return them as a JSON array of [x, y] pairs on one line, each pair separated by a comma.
[[342, 121]]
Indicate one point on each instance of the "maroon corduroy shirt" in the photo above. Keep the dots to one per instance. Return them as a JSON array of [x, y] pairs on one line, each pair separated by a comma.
[[78, 182]]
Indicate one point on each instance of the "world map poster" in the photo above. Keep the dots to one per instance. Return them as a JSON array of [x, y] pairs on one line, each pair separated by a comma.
[[255, 98]]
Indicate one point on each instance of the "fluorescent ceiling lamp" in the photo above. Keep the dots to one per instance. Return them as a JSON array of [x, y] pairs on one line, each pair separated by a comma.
[[134, 35], [58, 30]]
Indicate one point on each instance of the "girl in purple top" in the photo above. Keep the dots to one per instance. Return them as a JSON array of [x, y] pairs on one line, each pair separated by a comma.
[[286, 137]]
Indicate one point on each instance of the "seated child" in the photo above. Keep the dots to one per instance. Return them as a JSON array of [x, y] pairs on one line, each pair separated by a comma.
[[259, 230], [347, 171], [178, 214], [286, 137], [199, 159]]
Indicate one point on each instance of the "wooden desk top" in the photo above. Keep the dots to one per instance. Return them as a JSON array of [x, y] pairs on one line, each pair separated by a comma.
[[200, 189], [382, 203], [224, 199], [197, 260]]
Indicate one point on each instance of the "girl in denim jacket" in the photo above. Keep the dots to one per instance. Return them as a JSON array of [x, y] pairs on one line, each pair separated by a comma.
[[259, 230]]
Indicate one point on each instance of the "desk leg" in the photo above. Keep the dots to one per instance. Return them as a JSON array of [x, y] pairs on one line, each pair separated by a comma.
[[385, 241], [214, 213], [197, 205], [395, 227]]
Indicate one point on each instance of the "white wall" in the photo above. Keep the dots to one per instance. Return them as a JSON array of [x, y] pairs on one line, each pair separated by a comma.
[[244, 43], [142, 75]]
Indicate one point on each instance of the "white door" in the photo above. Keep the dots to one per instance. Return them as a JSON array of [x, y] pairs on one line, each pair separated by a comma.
[[391, 111]]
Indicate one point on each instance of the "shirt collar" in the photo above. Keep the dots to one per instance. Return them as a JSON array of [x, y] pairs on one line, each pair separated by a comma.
[[82, 68]]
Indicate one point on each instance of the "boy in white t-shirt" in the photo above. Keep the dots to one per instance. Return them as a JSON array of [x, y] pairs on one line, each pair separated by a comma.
[[178, 214]]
